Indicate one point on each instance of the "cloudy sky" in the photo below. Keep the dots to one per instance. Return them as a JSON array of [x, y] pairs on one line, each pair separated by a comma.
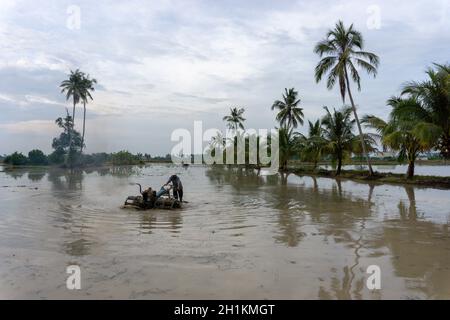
[[160, 65]]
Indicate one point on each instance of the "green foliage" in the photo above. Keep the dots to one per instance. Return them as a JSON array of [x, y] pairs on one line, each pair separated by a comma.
[[57, 156], [289, 145], [433, 97], [337, 131], [16, 159], [95, 159], [290, 115], [68, 144], [405, 131], [342, 52], [124, 158], [235, 120], [37, 157], [313, 146]]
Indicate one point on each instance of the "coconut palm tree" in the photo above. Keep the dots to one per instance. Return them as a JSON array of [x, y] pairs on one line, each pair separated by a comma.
[[405, 132], [235, 120], [434, 97], [289, 114], [289, 144], [73, 88], [313, 144], [341, 52], [337, 131], [87, 88]]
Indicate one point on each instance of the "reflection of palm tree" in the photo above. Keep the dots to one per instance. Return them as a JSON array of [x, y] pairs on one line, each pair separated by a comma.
[[408, 212], [416, 247]]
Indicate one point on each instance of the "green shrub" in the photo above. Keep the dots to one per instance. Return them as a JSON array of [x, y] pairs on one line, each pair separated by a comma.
[[57, 156], [124, 158], [16, 159], [37, 157]]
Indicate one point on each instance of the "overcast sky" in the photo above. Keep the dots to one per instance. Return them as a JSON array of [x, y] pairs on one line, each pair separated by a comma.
[[160, 65]]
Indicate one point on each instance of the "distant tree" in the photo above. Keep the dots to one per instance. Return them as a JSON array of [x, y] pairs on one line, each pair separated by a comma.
[[235, 120], [124, 158], [73, 88], [86, 89], [37, 157], [289, 114], [68, 144], [16, 159], [289, 145], [313, 145]]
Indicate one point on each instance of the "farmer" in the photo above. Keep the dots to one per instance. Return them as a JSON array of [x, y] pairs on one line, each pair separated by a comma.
[[177, 187]]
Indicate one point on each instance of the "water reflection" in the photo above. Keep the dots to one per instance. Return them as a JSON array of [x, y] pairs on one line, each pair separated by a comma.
[[420, 250], [36, 176], [317, 235], [152, 220], [14, 173]]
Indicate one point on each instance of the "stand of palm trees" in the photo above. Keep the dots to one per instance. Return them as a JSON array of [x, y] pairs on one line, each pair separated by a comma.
[[77, 87], [419, 120]]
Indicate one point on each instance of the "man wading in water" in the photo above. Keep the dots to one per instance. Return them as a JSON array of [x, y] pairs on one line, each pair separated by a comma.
[[177, 187]]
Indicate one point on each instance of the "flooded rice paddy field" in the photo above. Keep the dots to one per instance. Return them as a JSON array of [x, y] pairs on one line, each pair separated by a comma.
[[241, 235]]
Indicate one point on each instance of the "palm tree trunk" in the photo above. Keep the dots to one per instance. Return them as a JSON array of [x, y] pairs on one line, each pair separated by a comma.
[[338, 171], [84, 125], [70, 133], [410, 172], [73, 111], [445, 146], [358, 124]]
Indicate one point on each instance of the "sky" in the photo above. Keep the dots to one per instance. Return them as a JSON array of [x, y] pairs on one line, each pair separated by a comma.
[[161, 65]]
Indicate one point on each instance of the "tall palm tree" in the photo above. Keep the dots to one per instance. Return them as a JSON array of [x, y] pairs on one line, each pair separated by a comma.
[[87, 88], [434, 97], [337, 131], [73, 88], [235, 120], [289, 114], [405, 132], [342, 51]]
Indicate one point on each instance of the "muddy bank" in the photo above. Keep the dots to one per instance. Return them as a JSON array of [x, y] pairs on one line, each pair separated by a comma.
[[378, 177]]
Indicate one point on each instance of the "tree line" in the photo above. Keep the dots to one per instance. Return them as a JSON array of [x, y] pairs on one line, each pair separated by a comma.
[[419, 119]]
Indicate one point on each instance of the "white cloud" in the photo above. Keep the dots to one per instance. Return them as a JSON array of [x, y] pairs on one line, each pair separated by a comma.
[[169, 59]]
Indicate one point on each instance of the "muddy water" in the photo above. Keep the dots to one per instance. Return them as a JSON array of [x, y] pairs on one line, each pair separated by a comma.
[[242, 235]]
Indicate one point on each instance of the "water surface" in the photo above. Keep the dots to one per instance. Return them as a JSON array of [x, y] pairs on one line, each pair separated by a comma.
[[419, 169], [242, 235]]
